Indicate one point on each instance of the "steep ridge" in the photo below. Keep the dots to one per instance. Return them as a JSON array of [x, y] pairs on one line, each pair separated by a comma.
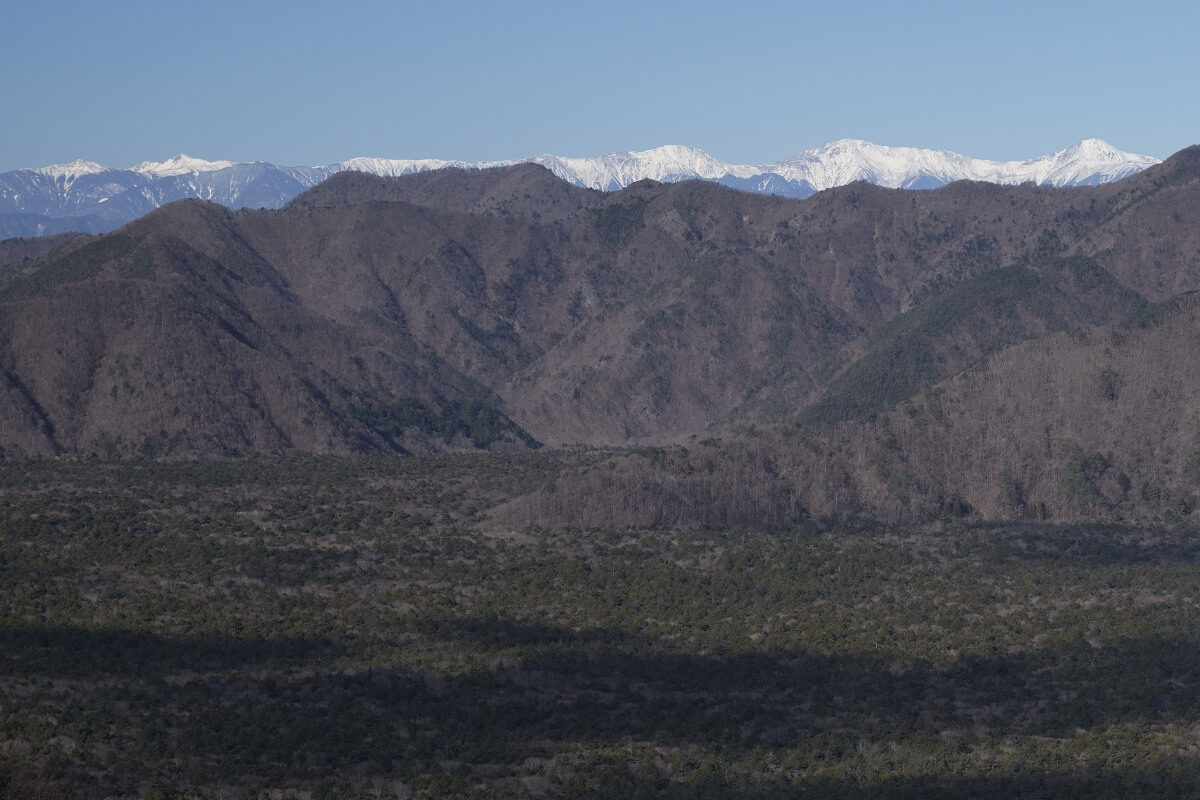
[[1087, 425], [175, 337], [1148, 239], [1091, 162], [407, 313], [1082, 424]]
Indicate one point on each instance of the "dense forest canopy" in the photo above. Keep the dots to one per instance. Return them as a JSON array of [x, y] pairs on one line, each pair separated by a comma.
[[361, 627]]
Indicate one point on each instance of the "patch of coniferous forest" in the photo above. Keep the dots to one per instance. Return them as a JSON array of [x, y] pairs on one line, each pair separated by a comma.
[[424, 627]]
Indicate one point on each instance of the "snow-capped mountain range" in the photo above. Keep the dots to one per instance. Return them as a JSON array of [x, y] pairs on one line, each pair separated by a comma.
[[87, 196]]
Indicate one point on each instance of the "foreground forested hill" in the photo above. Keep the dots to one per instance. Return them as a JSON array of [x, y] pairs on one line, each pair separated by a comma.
[[364, 627]]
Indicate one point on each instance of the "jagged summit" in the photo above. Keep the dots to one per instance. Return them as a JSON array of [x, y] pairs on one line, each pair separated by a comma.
[[72, 170], [1090, 162], [179, 165], [393, 167], [838, 163], [100, 198], [664, 164]]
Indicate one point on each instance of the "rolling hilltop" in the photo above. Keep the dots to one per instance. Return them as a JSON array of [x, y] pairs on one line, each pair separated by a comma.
[[507, 308]]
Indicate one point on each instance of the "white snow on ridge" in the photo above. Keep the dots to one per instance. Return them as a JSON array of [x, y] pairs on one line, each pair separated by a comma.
[[849, 160], [835, 164], [179, 165], [83, 188], [838, 163], [1090, 161], [393, 167], [73, 170], [664, 164], [841, 162]]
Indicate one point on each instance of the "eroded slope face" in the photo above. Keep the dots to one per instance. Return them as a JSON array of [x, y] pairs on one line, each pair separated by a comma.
[[175, 337]]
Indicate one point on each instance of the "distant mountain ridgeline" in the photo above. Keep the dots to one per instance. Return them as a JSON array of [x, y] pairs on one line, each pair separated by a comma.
[[92, 198], [818, 344]]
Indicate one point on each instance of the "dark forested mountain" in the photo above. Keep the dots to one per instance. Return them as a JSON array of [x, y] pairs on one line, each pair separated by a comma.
[[499, 307], [175, 336]]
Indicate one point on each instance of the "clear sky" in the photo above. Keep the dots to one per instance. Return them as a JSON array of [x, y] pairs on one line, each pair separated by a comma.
[[307, 83]]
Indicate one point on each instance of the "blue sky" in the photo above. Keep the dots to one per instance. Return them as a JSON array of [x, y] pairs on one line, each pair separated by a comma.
[[311, 83]]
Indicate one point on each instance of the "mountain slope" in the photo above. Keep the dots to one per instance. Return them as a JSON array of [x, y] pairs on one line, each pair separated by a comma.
[[175, 337], [404, 312], [1088, 425]]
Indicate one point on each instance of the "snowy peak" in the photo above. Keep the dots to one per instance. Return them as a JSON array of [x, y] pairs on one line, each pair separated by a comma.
[[392, 167], [1090, 162], [179, 165], [71, 171], [100, 198], [845, 161], [849, 160], [836, 164], [1097, 149], [664, 164]]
